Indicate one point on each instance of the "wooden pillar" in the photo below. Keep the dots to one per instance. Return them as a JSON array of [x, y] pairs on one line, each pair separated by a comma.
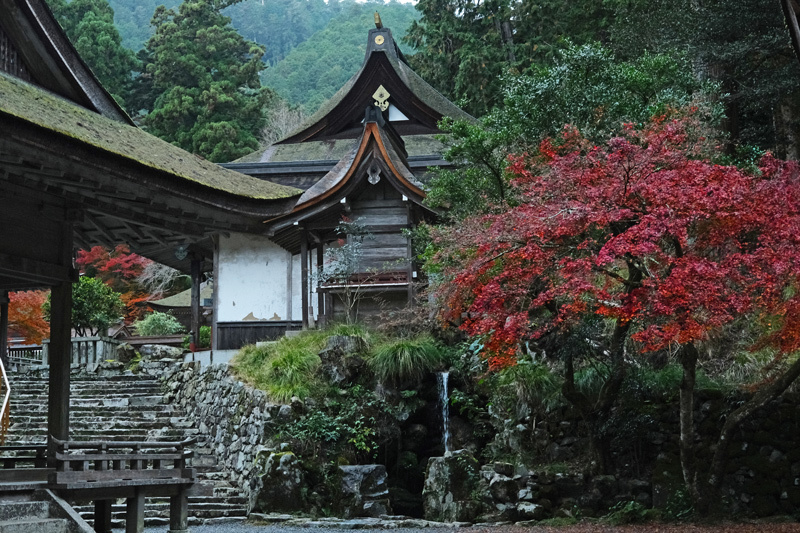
[[196, 263], [304, 275], [60, 356], [4, 327], [320, 296], [102, 516], [134, 516], [179, 512], [215, 295]]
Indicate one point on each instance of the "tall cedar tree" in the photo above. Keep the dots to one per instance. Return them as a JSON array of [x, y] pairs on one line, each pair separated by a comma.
[[211, 101], [89, 24], [647, 235], [465, 47], [743, 45]]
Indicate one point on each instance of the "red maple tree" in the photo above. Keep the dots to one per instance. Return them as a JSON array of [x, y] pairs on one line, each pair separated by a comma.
[[119, 269], [25, 316], [667, 246]]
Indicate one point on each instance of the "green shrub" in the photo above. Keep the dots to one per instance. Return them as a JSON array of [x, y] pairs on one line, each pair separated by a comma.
[[157, 323], [284, 368], [406, 359], [629, 512]]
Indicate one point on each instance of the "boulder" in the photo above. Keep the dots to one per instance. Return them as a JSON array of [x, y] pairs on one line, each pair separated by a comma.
[[451, 485], [364, 491], [282, 484], [340, 360]]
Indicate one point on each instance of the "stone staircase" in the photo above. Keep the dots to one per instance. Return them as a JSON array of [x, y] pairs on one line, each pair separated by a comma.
[[37, 511], [129, 408]]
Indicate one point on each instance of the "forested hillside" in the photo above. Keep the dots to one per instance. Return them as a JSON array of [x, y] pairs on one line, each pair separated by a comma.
[[317, 68]]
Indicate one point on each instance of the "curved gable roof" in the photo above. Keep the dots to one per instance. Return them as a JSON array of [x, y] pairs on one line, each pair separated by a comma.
[[377, 146], [383, 65]]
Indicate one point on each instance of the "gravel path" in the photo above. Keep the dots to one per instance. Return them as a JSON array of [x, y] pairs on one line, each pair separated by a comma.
[[763, 527]]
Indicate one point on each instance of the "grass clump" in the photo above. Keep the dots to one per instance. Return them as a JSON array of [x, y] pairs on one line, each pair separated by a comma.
[[283, 369], [406, 359]]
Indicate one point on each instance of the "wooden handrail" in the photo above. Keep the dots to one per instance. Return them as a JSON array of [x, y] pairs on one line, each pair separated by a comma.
[[4, 410], [147, 444]]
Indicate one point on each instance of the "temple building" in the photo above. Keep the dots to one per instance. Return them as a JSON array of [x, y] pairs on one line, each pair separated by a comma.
[[363, 157]]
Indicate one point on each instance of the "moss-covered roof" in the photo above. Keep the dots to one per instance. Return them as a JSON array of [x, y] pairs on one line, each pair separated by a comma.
[[416, 145], [46, 110], [184, 299]]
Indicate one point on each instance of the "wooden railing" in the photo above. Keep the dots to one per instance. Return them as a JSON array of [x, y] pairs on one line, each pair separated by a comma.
[[25, 455], [87, 350], [99, 464]]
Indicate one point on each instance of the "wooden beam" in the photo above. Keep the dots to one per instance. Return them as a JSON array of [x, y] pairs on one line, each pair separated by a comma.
[[320, 297], [32, 270], [195, 266], [134, 517], [102, 516], [60, 351], [60, 357], [4, 327]]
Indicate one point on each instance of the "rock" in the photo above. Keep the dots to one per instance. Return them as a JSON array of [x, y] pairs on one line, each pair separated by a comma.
[[531, 511], [125, 352], [340, 360], [414, 437], [504, 469], [364, 491], [159, 351], [503, 489], [376, 509], [282, 484], [451, 483]]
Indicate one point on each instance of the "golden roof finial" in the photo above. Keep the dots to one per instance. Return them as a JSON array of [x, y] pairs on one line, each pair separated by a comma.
[[378, 23]]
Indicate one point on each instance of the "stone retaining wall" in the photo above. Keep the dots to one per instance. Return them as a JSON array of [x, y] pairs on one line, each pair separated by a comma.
[[232, 414]]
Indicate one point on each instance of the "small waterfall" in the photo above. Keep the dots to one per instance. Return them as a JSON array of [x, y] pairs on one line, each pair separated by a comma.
[[444, 399]]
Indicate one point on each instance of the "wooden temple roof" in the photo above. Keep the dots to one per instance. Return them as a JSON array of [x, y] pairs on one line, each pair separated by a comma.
[[379, 151], [34, 47], [412, 106], [67, 152]]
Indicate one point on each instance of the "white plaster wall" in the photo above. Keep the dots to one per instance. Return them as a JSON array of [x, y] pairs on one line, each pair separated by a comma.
[[253, 278]]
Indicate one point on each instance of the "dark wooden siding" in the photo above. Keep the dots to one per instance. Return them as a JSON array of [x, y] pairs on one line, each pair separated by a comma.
[[10, 61], [384, 213], [234, 335]]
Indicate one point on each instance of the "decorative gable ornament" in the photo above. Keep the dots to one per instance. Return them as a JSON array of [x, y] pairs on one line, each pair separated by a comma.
[[373, 174], [381, 97]]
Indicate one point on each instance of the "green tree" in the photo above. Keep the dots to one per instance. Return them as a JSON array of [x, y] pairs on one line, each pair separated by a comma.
[[95, 307], [89, 24], [211, 101], [588, 88]]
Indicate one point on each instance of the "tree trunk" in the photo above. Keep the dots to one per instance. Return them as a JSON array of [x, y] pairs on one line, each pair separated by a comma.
[[733, 421], [688, 359]]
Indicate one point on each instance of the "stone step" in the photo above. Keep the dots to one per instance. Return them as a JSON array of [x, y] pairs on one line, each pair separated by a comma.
[[131, 409], [34, 525], [16, 510]]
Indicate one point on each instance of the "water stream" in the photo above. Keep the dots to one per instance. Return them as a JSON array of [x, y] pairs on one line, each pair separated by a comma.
[[444, 399]]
